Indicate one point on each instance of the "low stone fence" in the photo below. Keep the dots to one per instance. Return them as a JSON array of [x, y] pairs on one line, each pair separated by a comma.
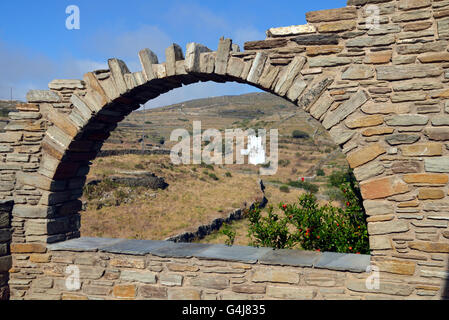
[[215, 225], [95, 268], [5, 239], [109, 153]]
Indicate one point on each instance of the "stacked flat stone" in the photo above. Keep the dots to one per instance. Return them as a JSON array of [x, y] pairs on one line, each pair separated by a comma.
[[381, 92]]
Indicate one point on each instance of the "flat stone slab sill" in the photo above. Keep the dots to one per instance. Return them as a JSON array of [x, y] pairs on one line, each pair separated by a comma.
[[268, 256]]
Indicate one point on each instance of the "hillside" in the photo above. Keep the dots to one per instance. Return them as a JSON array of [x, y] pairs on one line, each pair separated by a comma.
[[254, 110], [196, 195]]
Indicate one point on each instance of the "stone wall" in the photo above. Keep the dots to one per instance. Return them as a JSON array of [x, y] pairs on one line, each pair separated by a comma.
[[5, 255], [132, 269], [381, 93]]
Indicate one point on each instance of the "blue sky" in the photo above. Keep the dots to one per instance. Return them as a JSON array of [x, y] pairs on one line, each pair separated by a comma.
[[36, 47]]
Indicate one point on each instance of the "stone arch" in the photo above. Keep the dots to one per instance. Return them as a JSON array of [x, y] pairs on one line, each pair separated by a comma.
[[108, 96], [380, 93]]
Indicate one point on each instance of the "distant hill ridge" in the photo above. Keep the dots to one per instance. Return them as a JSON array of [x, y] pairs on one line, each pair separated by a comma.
[[243, 99]]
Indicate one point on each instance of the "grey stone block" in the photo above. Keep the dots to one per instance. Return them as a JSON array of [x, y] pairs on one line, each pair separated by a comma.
[[83, 244], [135, 247], [343, 262], [290, 258], [234, 253], [181, 250]]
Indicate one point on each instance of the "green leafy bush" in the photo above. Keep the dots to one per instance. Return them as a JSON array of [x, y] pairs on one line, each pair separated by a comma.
[[308, 186], [229, 233], [311, 226], [320, 172], [213, 176], [284, 188], [271, 231], [298, 134], [284, 163]]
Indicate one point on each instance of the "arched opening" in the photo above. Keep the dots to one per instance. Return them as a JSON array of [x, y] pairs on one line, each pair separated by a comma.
[[121, 92], [123, 198]]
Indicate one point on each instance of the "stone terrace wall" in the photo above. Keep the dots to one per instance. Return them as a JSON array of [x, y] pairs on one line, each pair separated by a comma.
[[381, 92]]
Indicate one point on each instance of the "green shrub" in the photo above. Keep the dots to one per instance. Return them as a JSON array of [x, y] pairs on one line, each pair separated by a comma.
[[298, 134], [320, 173], [213, 176], [207, 166], [284, 188], [308, 186], [270, 231], [324, 228], [229, 233], [228, 174], [139, 166], [284, 163]]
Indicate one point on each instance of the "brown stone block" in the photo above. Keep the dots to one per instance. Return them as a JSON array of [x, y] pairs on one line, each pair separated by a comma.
[[367, 121], [248, 288], [127, 291], [383, 187], [418, 26], [325, 49], [430, 178], [265, 44], [423, 149], [62, 121], [346, 13], [433, 57], [379, 57], [270, 275], [176, 267], [441, 247], [184, 294], [365, 155], [430, 194], [405, 167], [70, 296], [337, 26], [409, 204], [438, 134], [28, 248], [397, 266], [49, 148], [40, 258], [128, 263], [381, 218], [153, 292], [377, 131], [32, 107]]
